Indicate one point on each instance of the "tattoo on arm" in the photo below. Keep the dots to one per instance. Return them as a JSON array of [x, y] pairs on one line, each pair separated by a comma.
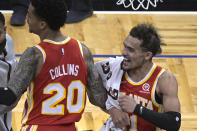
[[95, 89], [25, 71]]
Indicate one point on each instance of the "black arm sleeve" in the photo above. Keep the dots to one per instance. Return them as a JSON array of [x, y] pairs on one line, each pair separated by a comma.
[[169, 121], [7, 97]]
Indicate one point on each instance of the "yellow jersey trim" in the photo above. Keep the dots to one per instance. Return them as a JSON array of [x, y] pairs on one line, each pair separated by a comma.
[[80, 47], [144, 79], [30, 102], [42, 51], [154, 89], [24, 128], [57, 43], [34, 128]]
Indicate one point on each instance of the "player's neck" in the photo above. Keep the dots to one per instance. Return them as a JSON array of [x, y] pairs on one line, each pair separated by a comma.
[[52, 35], [140, 72]]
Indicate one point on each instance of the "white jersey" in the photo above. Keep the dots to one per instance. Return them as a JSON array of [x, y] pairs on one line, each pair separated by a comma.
[[8, 65], [111, 74]]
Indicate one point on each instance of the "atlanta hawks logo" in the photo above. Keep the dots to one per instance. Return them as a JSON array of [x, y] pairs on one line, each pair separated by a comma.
[[146, 87]]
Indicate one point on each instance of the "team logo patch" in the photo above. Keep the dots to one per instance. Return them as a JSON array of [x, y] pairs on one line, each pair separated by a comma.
[[113, 93], [109, 75], [106, 67], [146, 87]]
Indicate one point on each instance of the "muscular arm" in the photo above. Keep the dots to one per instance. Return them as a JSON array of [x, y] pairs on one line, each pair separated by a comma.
[[25, 72], [168, 87], [28, 67], [95, 90], [170, 120]]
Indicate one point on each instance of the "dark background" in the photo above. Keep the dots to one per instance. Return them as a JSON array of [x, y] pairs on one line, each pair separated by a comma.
[[5, 5], [167, 5], [110, 5]]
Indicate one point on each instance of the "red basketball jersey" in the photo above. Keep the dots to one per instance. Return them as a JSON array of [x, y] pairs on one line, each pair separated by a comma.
[[144, 93], [57, 96]]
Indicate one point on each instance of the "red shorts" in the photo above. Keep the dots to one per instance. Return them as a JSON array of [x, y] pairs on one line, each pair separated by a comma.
[[68, 127]]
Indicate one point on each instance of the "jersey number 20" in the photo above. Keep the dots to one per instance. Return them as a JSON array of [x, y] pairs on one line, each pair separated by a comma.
[[51, 107]]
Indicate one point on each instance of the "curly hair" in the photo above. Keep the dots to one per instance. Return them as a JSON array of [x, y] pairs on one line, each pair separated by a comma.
[[2, 18], [151, 40], [53, 12]]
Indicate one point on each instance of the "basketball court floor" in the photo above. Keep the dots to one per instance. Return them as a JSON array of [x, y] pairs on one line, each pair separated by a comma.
[[104, 34]]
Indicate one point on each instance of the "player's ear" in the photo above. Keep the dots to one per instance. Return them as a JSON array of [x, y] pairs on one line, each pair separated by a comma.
[[148, 55], [43, 24]]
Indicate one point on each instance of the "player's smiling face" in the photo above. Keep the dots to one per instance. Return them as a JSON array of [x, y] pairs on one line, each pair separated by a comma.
[[134, 57]]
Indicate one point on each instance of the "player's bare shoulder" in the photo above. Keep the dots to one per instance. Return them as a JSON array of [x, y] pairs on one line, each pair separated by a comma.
[[87, 55], [167, 82]]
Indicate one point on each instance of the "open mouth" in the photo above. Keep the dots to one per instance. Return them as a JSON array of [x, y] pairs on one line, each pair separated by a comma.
[[126, 61]]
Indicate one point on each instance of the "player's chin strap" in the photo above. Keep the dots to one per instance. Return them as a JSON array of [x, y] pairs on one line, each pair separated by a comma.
[[7, 96], [170, 121]]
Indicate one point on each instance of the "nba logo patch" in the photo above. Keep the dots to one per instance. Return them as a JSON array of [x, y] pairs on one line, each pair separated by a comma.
[[62, 51], [146, 87]]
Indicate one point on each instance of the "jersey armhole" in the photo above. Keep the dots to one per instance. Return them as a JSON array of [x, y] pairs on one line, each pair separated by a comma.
[[80, 47], [158, 98], [155, 96], [42, 51]]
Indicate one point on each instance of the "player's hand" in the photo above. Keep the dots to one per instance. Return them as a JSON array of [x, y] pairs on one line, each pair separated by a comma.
[[119, 118], [127, 103]]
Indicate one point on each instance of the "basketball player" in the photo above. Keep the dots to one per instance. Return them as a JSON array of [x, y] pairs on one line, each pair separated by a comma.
[[7, 67], [144, 90], [58, 72]]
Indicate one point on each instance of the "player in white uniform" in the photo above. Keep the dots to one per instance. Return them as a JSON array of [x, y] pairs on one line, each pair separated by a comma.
[[8, 64]]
